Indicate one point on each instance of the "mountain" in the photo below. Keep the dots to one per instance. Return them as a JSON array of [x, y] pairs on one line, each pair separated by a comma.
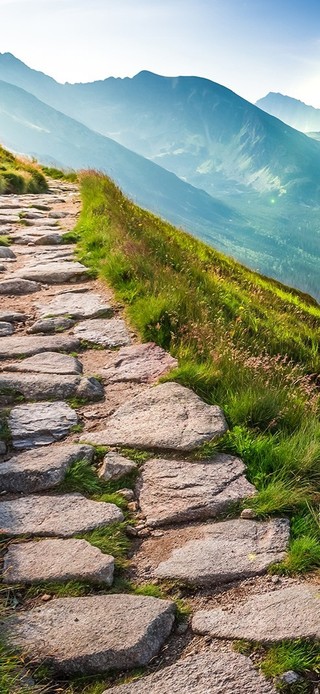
[[291, 111], [261, 174], [199, 130], [29, 126]]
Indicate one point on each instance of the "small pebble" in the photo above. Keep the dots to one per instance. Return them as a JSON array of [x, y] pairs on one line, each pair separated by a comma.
[[131, 531], [127, 494], [248, 514], [46, 597], [133, 506], [145, 532]]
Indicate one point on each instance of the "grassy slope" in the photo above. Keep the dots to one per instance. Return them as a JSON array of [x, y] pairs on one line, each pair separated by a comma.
[[244, 342], [18, 176]]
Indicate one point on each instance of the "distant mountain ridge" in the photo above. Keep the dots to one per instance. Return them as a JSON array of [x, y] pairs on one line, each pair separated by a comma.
[[244, 181], [295, 113]]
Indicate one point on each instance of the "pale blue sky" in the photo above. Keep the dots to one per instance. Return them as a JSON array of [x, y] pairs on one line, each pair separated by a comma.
[[251, 46]]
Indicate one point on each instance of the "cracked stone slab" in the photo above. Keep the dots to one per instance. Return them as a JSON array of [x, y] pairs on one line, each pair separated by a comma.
[[16, 286], [172, 491], [37, 470], [37, 387], [47, 363], [64, 515], [109, 332], [57, 560], [115, 466], [50, 326], [289, 613], [143, 363], [205, 673], [54, 272], [167, 416], [93, 634], [40, 424], [21, 345], [5, 329], [76, 305], [231, 550]]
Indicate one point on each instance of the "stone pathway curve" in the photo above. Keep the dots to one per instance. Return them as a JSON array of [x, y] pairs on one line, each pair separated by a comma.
[[73, 376]]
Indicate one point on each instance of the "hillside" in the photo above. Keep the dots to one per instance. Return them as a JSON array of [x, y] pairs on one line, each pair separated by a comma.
[[19, 176], [291, 111], [30, 126]]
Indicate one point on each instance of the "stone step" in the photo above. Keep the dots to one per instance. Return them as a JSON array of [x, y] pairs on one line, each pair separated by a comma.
[[40, 424], [7, 253], [18, 346], [37, 470], [93, 634], [64, 515], [13, 316], [78, 306], [38, 387], [38, 237], [6, 329], [174, 491], [209, 672], [58, 561], [109, 333], [16, 286], [224, 552], [167, 416], [47, 363], [143, 363], [50, 326], [54, 272], [288, 613]]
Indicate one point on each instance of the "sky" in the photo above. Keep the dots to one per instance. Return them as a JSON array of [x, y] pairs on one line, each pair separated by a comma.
[[252, 46]]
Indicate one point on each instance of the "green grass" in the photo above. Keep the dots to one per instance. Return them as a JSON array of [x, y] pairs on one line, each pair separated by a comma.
[[59, 174], [110, 540], [19, 176], [5, 241], [246, 343]]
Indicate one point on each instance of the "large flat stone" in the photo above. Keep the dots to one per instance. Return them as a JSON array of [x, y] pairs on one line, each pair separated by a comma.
[[40, 424], [57, 560], [172, 491], [143, 363], [63, 515], [111, 332], [232, 550], [54, 272], [167, 416], [37, 387], [48, 363], [18, 346], [289, 613], [76, 305], [38, 469], [16, 286], [204, 673], [93, 634]]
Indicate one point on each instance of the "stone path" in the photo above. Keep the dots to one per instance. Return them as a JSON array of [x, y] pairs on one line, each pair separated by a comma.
[[71, 363]]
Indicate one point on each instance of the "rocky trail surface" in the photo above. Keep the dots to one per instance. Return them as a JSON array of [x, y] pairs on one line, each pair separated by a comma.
[[77, 388]]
